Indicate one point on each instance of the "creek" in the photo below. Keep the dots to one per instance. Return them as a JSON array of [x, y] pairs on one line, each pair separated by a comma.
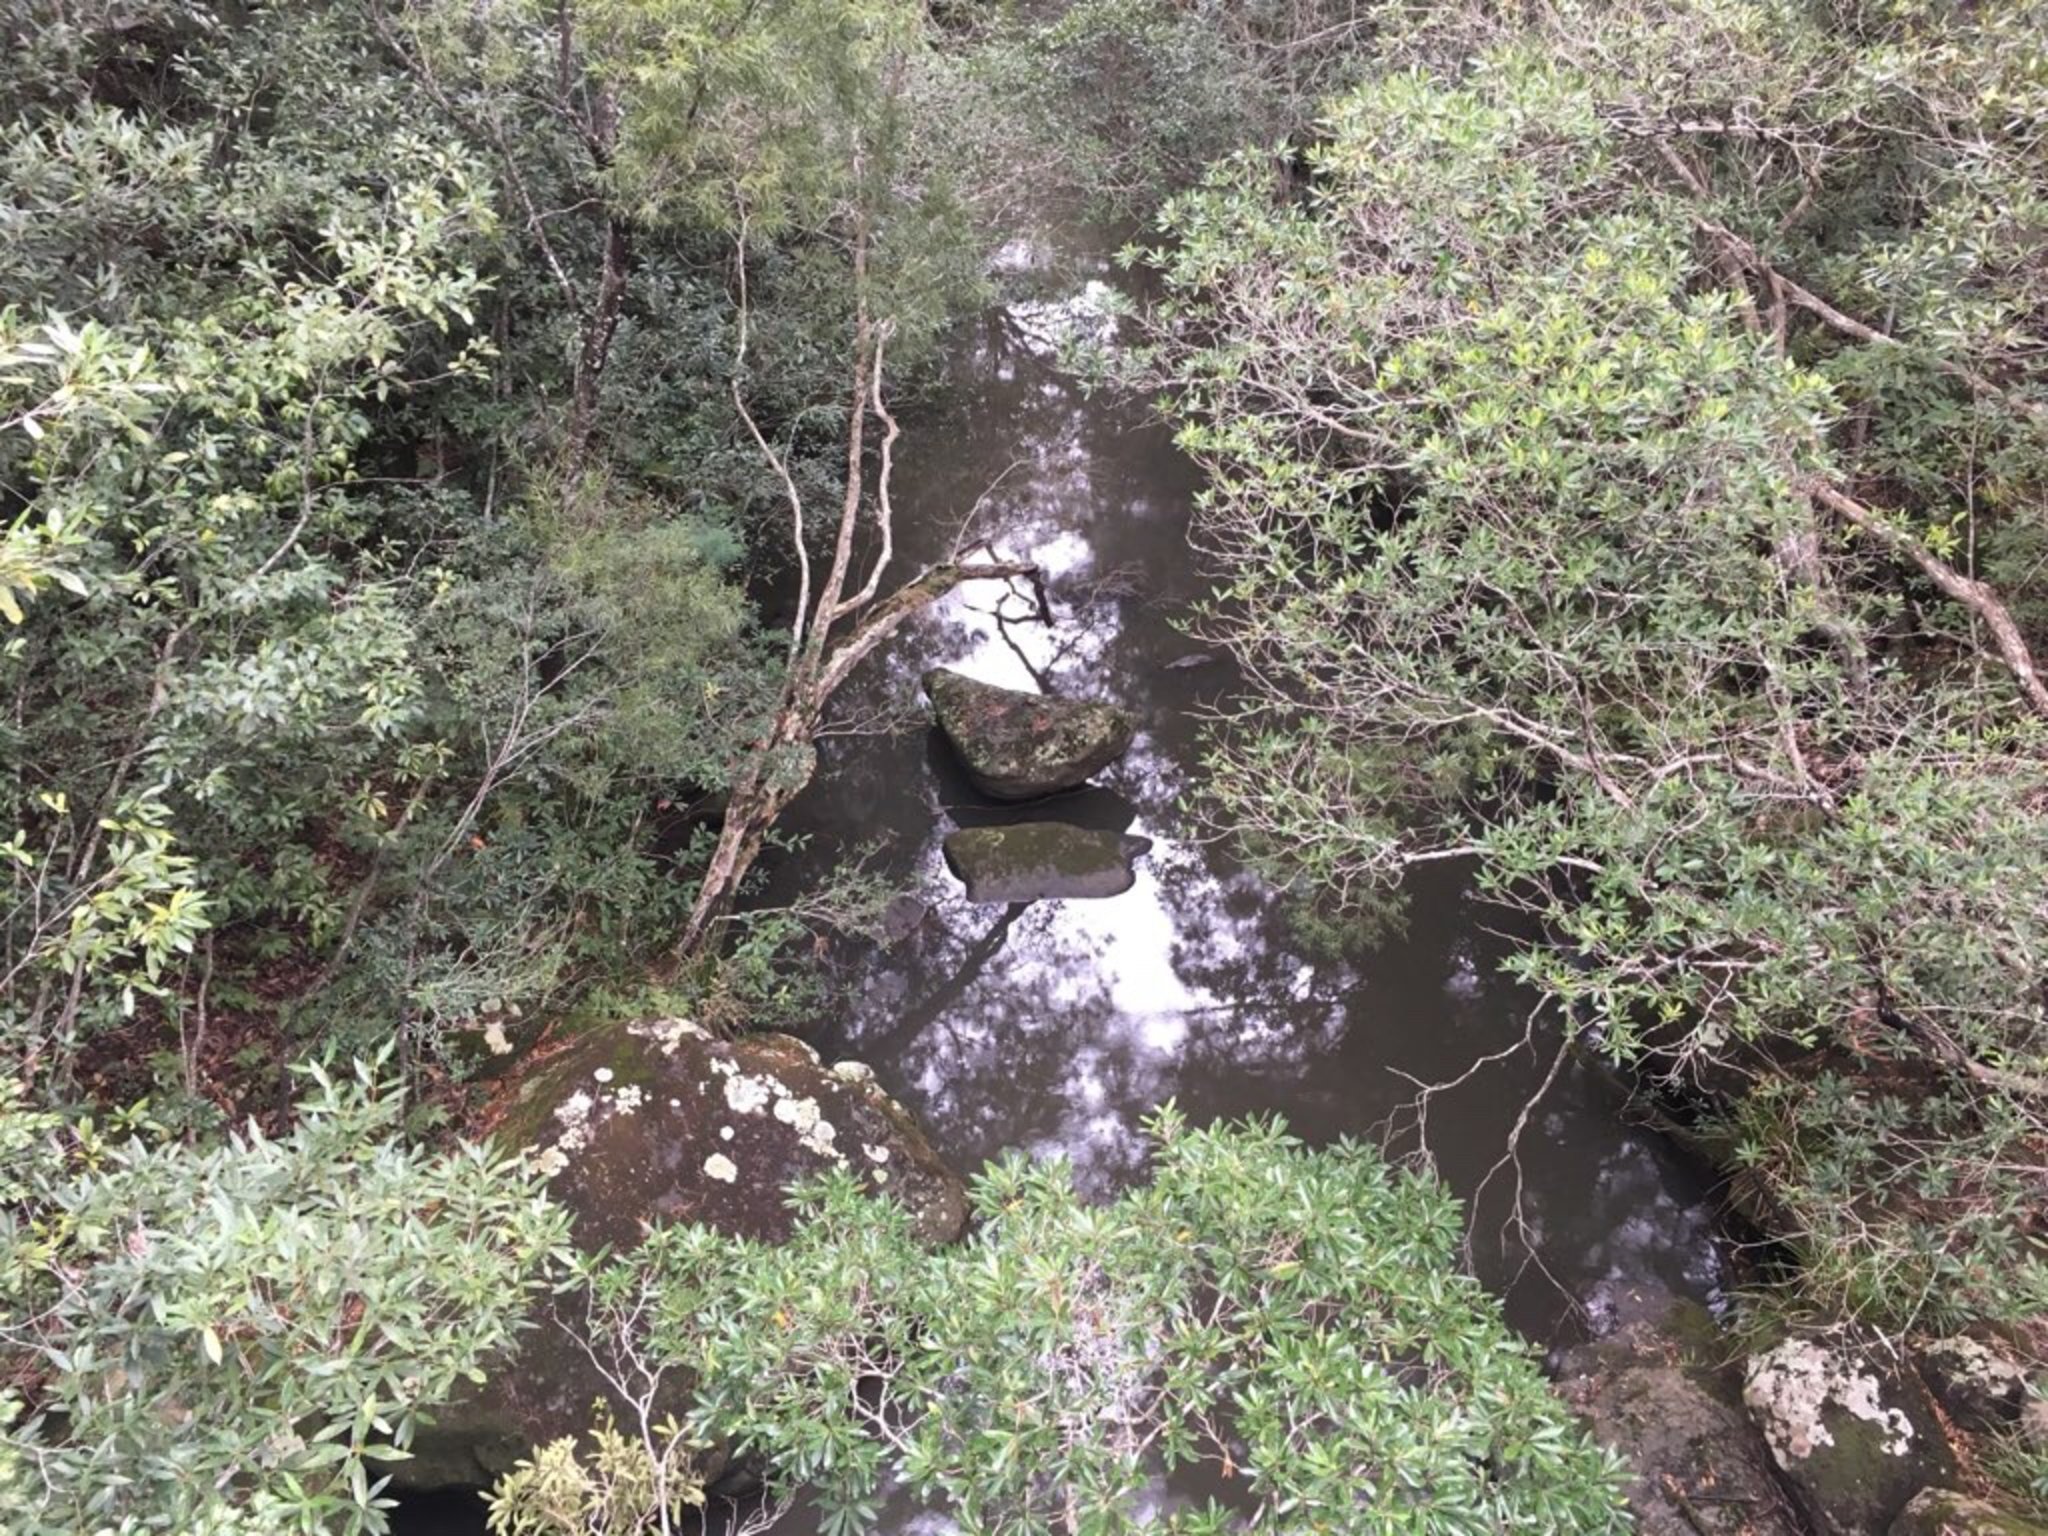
[[1056, 1026]]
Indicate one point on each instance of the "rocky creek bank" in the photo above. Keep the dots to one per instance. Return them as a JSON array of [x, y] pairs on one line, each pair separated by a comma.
[[1824, 1433], [1832, 1432]]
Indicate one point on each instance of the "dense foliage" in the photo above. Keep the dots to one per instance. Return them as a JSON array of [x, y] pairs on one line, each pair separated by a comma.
[[297, 662], [1121, 102], [232, 1339], [445, 476], [1627, 459], [383, 450], [1291, 1323]]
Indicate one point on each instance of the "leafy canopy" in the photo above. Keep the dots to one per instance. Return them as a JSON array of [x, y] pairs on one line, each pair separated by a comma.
[[1577, 518], [1292, 1322], [236, 1336]]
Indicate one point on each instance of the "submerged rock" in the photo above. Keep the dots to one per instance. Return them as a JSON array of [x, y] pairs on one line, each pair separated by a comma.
[[1656, 1394], [660, 1122], [1037, 860], [1855, 1433], [1019, 746], [1939, 1512]]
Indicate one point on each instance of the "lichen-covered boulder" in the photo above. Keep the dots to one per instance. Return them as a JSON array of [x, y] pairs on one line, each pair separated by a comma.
[[659, 1121], [1853, 1431], [1977, 1386], [1941, 1512], [1040, 860], [1019, 746], [656, 1122], [1656, 1394]]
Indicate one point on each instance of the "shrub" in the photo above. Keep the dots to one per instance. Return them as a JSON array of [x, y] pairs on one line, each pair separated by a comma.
[[1291, 1322], [242, 1333]]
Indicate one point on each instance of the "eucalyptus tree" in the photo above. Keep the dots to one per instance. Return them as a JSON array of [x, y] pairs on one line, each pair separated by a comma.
[[785, 145], [1625, 467]]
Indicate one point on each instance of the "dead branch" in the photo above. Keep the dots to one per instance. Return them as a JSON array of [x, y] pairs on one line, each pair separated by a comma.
[[1975, 595]]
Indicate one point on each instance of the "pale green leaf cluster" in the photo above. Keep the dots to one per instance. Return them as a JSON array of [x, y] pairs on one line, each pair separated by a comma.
[[240, 1337], [1513, 449], [617, 1485], [1289, 1324]]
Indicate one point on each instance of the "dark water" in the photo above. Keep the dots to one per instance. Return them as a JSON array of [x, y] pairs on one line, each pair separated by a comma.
[[1057, 1026]]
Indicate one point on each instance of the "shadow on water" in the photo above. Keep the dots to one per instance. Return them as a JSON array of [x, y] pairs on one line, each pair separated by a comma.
[[1055, 1027]]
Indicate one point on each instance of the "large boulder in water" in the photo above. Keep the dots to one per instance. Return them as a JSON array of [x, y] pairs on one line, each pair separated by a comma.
[[1036, 860], [1019, 746], [1851, 1427], [661, 1122], [1655, 1392]]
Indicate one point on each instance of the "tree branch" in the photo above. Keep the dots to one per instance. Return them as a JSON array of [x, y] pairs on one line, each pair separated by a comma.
[[1975, 595]]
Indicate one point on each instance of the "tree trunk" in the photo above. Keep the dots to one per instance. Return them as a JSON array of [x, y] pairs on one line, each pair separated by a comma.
[[595, 353], [1973, 594], [755, 804]]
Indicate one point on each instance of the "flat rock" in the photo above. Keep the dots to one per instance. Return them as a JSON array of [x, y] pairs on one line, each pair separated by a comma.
[[655, 1122], [1020, 746], [1655, 1393], [1852, 1429], [1041, 860]]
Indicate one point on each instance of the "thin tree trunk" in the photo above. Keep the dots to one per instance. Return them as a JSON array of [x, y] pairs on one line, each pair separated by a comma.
[[755, 804], [594, 355]]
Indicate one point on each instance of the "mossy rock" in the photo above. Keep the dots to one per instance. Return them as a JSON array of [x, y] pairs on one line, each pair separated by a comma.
[[1021, 746], [1654, 1393], [659, 1121], [493, 1045], [1976, 1385], [1852, 1429], [654, 1122], [1941, 1512]]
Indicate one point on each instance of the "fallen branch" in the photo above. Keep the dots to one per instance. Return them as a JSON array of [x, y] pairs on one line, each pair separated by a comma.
[[1953, 1056], [888, 615], [1975, 595], [1786, 290], [1733, 247]]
